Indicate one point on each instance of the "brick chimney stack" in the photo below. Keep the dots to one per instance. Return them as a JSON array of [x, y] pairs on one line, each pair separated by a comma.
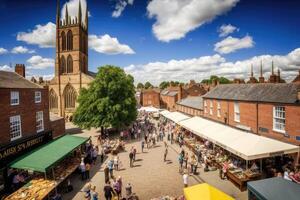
[[20, 69], [261, 78], [180, 92]]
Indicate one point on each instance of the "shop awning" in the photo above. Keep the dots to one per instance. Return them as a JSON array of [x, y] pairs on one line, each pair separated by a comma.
[[177, 116], [205, 191], [165, 113], [245, 145], [274, 188], [149, 109], [43, 158]]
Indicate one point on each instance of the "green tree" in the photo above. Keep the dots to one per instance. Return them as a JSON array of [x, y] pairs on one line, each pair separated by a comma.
[[140, 86], [223, 80], [164, 85], [108, 102], [148, 85]]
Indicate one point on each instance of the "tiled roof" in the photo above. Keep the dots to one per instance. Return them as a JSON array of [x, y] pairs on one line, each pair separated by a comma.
[[192, 102], [266, 92], [14, 80], [168, 92]]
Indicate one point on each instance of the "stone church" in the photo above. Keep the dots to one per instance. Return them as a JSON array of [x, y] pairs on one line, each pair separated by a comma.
[[71, 63]]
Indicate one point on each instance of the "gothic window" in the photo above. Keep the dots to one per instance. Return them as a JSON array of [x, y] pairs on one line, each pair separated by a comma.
[[63, 65], [53, 102], [69, 40], [69, 96], [63, 41], [69, 64]]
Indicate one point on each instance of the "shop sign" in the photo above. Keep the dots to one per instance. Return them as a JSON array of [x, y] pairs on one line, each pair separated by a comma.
[[11, 150]]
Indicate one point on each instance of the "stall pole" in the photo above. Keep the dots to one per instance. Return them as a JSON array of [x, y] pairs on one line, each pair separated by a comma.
[[261, 165], [54, 179], [246, 164]]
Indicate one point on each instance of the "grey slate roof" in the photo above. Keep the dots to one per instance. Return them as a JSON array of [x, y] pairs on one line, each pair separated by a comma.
[[192, 102], [266, 92], [167, 92], [172, 93], [14, 80]]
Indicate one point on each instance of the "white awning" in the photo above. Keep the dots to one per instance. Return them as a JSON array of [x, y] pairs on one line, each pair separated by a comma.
[[245, 145], [165, 113], [176, 116], [148, 109]]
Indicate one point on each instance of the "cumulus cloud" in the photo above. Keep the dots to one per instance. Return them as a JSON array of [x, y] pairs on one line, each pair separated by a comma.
[[73, 9], [21, 50], [225, 30], [42, 35], [46, 77], [175, 18], [6, 68], [231, 44], [205, 66], [108, 45], [38, 62], [3, 51], [120, 7]]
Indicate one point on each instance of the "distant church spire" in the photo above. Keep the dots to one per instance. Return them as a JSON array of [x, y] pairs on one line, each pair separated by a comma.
[[79, 13], [67, 15], [57, 13], [272, 67], [86, 17]]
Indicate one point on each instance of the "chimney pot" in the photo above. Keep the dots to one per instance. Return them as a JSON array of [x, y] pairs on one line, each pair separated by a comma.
[[20, 69]]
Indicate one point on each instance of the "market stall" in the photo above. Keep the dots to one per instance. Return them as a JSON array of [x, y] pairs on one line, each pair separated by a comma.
[[148, 109], [49, 165], [206, 192], [176, 116], [273, 188], [242, 148]]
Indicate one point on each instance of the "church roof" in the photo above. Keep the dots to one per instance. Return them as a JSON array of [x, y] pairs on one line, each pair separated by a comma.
[[14, 80]]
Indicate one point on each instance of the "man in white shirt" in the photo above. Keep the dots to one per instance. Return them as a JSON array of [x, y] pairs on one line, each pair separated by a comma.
[[185, 179]]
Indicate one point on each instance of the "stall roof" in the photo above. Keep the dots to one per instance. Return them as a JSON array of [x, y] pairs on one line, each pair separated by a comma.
[[245, 145], [165, 113], [149, 109], [177, 116], [274, 188], [49, 154]]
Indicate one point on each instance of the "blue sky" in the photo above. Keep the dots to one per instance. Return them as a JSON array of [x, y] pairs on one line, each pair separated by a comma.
[[162, 39]]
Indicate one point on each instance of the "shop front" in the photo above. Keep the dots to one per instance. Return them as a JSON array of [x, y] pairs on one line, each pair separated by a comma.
[[14, 150]]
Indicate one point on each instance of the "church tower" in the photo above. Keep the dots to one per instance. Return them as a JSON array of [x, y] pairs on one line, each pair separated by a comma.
[[71, 42], [71, 63]]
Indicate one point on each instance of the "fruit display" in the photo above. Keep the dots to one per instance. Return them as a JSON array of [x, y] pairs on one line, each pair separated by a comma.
[[252, 173], [65, 169], [36, 189]]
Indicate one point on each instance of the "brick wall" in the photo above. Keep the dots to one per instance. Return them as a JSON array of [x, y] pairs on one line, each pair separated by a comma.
[[188, 110], [169, 102], [26, 109], [258, 118], [58, 127], [150, 98]]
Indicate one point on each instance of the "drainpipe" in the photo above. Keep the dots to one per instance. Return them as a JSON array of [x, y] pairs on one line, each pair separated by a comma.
[[257, 118]]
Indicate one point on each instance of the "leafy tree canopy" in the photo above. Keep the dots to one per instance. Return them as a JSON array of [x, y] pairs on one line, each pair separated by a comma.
[[148, 85], [140, 86], [222, 80], [164, 85], [109, 100]]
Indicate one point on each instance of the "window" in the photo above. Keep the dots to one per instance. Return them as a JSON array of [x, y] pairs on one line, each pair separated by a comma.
[[53, 100], [211, 107], [218, 109], [236, 112], [15, 127], [279, 118], [205, 106], [14, 98], [39, 121], [37, 97], [70, 97]]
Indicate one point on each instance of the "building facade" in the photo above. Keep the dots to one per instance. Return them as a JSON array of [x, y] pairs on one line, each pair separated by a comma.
[[271, 110], [150, 97], [192, 106], [71, 63]]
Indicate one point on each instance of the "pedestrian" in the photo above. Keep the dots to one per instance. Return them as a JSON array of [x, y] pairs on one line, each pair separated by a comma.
[[185, 178], [106, 174], [119, 180], [180, 159], [128, 189], [116, 188], [131, 158], [108, 191], [143, 144], [116, 162], [87, 170], [101, 155], [94, 194], [110, 166], [165, 154], [87, 190], [186, 159], [134, 153], [95, 154], [82, 170], [172, 137]]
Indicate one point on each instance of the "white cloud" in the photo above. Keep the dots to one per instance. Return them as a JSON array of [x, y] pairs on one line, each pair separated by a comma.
[[225, 30], [6, 68], [21, 50], [46, 77], [205, 66], [120, 6], [42, 35], [3, 51], [38, 62], [108, 45], [73, 9], [175, 18], [231, 44]]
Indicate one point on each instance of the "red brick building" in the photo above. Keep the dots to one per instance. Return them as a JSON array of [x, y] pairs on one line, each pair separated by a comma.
[[297, 79], [269, 109], [150, 97], [192, 106]]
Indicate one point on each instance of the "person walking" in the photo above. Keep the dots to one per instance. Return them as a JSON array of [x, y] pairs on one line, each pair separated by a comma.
[[128, 189], [131, 158], [82, 170], [110, 165], [180, 159], [87, 170], [185, 177], [108, 191], [134, 153], [94, 194], [87, 190], [116, 162], [101, 155], [95, 154], [143, 145], [165, 154], [106, 174], [119, 180]]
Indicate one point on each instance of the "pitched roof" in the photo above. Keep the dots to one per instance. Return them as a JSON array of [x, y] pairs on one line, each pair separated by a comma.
[[157, 90], [265, 92], [168, 92], [14, 80], [192, 102]]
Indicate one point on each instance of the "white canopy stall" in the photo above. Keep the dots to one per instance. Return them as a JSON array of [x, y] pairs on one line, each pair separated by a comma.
[[176, 116], [165, 113], [245, 145], [149, 109]]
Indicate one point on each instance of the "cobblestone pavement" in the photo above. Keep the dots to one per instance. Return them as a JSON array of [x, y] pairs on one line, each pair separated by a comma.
[[150, 177]]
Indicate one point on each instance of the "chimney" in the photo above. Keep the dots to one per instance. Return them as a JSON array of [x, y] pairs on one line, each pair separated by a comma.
[[41, 80], [180, 92], [261, 78], [20, 69]]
